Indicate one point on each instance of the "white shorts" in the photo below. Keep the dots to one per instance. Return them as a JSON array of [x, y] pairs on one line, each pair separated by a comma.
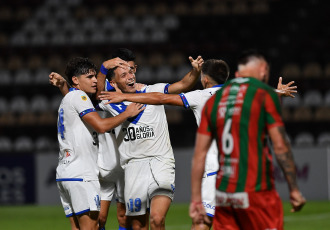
[[145, 179], [208, 192], [79, 197], [112, 182]]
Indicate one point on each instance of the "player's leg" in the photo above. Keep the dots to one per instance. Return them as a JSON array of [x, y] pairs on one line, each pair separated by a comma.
[[137, 180], [88, 220], [138, 222], [161, 191], [121, 215], [103, 216], [107, 180], [158, 210], [74, 223]]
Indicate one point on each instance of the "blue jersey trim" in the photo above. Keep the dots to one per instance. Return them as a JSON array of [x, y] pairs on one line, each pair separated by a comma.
[[83, 113], [83, 211], [209, 214], [220, 85], [71, 214], [108, 86], [166, 88], [70, 179], [184, 100], [211, 174], [72, 89]]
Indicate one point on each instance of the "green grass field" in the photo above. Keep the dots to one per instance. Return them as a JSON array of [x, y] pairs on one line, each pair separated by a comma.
[[314, 216]]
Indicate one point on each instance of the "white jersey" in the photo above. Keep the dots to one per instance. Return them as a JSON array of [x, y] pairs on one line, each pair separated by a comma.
[[196, 100], [145, 135], [108, 157], [77, 140]]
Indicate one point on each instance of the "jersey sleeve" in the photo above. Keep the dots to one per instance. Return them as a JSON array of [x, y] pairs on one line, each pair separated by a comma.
[[160, 88], [82, 103], [273, 110], [191, 99], [205, 125]]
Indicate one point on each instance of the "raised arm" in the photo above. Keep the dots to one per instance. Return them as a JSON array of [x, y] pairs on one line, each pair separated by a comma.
[[285, 160], [102, 125], [145, 98], [190, 79], [285, 90], [109, 64], [57, 80]]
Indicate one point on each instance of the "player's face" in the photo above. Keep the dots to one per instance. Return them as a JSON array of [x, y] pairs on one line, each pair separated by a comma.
[[125, 79], [86, 82]]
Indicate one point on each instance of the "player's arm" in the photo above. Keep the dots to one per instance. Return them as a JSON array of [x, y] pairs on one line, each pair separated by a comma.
[[145, 98], [190, 79], [57, 80], [109, 64], [102, 125], [285, 90], [285, 160], [196, 209]]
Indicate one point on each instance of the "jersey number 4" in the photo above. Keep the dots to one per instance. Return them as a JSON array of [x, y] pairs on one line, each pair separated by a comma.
[[60, 125]]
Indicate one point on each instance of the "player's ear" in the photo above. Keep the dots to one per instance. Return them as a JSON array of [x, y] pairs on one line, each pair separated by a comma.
[[75, 80]]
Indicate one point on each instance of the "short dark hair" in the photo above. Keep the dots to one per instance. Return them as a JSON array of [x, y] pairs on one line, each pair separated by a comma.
[[78, 66], [124, 54], [248, 54], [218, 70]]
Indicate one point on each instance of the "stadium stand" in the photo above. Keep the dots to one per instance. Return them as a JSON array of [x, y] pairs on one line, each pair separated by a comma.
[[40, 36]]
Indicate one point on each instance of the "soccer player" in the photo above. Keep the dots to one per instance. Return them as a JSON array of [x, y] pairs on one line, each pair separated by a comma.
[[111, 175], [78, 126], [214, 73], [239, 117], [145, 149]]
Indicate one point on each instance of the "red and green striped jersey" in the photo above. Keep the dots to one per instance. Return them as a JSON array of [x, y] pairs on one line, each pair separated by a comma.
[[238, 117]]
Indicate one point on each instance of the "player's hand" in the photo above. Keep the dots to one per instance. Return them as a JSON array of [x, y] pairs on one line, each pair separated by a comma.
[[286, 90], [297, 200], [56, 79], [197, 213], [112, 97], [115, 62], [197, 63], [139, 86], [134, 109]]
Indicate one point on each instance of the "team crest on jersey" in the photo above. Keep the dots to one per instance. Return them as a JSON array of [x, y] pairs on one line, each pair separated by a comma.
[[84, 98]]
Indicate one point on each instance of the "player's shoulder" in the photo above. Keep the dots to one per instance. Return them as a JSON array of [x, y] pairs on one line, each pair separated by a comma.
[[76, 95]]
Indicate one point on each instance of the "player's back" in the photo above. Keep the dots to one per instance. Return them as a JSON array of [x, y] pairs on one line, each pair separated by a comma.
[[78, 141], [242, 111]]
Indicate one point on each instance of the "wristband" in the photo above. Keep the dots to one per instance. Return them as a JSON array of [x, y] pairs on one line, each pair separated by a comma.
[[103, 70]]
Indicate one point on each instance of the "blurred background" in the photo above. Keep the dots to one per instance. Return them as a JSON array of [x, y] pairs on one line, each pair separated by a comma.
[[40, 36]]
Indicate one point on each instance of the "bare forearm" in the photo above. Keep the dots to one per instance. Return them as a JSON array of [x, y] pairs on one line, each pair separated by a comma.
[[113, 122], [64, 89], [286, 162], [186, 84], [197, 171], [154, 98], [100, 83], [285, 159]]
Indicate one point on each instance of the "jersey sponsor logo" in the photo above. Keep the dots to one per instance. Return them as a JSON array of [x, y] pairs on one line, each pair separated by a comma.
[[138, 133], [208, 206], [235, 200], [67, 154], [84, 98]]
